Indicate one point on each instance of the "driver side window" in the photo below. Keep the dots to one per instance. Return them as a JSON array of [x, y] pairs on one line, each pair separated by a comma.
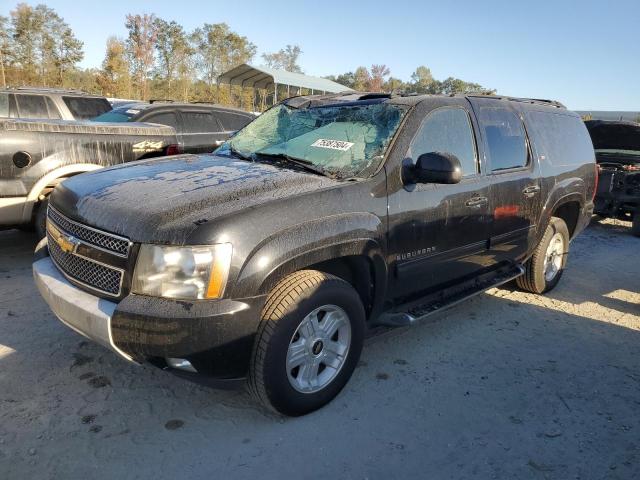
[[447, 130]]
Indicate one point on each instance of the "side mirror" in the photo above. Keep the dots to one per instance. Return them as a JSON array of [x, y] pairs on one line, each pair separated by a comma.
[[434, 167]]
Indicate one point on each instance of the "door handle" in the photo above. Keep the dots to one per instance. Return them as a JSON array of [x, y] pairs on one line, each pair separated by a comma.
[[476, 202], [531, 190]]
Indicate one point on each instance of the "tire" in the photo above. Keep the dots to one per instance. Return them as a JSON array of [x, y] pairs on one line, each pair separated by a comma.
[[40, 218], [539, 276], [300, 301], [635, 224]]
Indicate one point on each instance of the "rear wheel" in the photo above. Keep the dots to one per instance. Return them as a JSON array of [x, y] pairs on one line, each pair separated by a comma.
[[308, 342], [635, 225], [545, 267]]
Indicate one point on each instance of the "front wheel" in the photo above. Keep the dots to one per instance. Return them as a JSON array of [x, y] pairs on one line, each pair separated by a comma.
[[308, 342], [545, 267]]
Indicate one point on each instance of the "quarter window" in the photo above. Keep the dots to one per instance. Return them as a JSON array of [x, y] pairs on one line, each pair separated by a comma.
[[447, 130], [505, 138]]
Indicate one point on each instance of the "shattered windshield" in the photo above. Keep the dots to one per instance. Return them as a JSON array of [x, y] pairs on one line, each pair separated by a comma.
[[341, 140]]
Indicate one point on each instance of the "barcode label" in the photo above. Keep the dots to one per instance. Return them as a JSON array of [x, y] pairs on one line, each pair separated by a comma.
[[332, 144]]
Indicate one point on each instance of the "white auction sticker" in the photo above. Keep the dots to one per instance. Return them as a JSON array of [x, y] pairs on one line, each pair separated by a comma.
[[332, 144]]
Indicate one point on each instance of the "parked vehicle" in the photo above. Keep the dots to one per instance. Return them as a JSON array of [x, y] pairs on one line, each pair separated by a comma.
[[50, 103], [201, 127], [326, 215], [121, 102], [36, 155], [617, 146]]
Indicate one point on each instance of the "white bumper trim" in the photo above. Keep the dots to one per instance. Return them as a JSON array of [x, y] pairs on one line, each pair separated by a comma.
[[85, 313]]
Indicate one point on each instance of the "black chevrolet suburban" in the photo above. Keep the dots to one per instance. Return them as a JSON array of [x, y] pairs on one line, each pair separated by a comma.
[[270, 259]]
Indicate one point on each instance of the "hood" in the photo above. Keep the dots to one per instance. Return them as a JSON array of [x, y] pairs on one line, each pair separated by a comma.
[[609, 135], [165, 200]]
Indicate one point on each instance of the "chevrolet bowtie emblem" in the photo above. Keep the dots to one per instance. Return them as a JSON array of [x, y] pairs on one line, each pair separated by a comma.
[[67, 243]]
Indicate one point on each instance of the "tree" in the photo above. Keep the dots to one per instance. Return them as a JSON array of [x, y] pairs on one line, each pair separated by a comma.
[[219, 49], [453, 85], [394, 85], [286, 58], [62, 49], [43, 45], [25, 29], [174, 50], [140, 45], [114, 78], [347, 79], [422, 80], [5, 45], [361, 79], [378, 76]]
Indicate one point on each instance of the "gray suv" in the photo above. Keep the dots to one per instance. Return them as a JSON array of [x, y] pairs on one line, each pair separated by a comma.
[[51, 103]]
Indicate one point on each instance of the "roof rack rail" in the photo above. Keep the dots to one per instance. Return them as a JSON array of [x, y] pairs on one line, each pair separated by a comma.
[[49, 90], [540, 101], [161, 100]]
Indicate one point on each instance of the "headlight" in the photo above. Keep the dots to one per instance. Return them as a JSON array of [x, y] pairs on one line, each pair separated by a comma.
[[182, 272]]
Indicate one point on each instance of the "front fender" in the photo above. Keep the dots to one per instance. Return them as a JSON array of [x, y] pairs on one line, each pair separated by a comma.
[[308, 243]]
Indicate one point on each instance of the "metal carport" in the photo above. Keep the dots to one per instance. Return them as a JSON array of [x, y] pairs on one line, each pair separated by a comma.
[[265, 78]]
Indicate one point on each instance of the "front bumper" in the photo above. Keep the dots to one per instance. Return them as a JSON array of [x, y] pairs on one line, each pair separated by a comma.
[[85, 313], [216, 337]]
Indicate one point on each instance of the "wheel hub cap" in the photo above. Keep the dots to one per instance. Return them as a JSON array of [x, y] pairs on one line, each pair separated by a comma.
[[553, 257], [318, 349]]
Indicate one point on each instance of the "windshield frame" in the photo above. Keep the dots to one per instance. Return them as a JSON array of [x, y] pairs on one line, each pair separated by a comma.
[[377, 162]]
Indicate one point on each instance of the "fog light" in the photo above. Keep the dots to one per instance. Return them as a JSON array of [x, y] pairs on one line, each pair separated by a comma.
[[181, 364]]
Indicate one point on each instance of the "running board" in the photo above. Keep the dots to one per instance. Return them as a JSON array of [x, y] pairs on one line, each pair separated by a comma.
[[415, 311]]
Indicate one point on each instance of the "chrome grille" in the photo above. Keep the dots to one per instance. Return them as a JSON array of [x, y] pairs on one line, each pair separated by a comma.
[[107, 241], [94, 275]]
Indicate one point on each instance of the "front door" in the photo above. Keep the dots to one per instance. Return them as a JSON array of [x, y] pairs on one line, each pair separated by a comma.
[[438, 233]]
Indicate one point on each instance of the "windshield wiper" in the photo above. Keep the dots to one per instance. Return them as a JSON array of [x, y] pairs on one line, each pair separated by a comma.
[[300, 162]]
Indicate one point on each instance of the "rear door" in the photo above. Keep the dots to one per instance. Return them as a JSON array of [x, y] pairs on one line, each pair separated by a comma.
[[201, 131], [33, 107], [514, 173]]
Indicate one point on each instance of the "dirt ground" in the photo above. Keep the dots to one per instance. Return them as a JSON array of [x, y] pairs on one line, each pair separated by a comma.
[[506, 385]]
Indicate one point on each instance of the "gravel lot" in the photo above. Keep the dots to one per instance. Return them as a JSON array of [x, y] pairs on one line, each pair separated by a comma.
[[506, 385]]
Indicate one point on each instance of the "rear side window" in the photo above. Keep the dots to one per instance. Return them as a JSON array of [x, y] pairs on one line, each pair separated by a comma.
[[4, 104], [560, 139], [84, 108], [505, 137], [447, 130], [232, 121], [199, 122], [163, 118], [32, 106]]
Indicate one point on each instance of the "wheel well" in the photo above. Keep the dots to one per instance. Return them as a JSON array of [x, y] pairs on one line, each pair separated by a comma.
[[354, 269], [569, 212]]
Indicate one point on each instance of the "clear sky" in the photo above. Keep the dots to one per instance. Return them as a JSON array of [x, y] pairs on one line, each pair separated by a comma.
[[584, 53]]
